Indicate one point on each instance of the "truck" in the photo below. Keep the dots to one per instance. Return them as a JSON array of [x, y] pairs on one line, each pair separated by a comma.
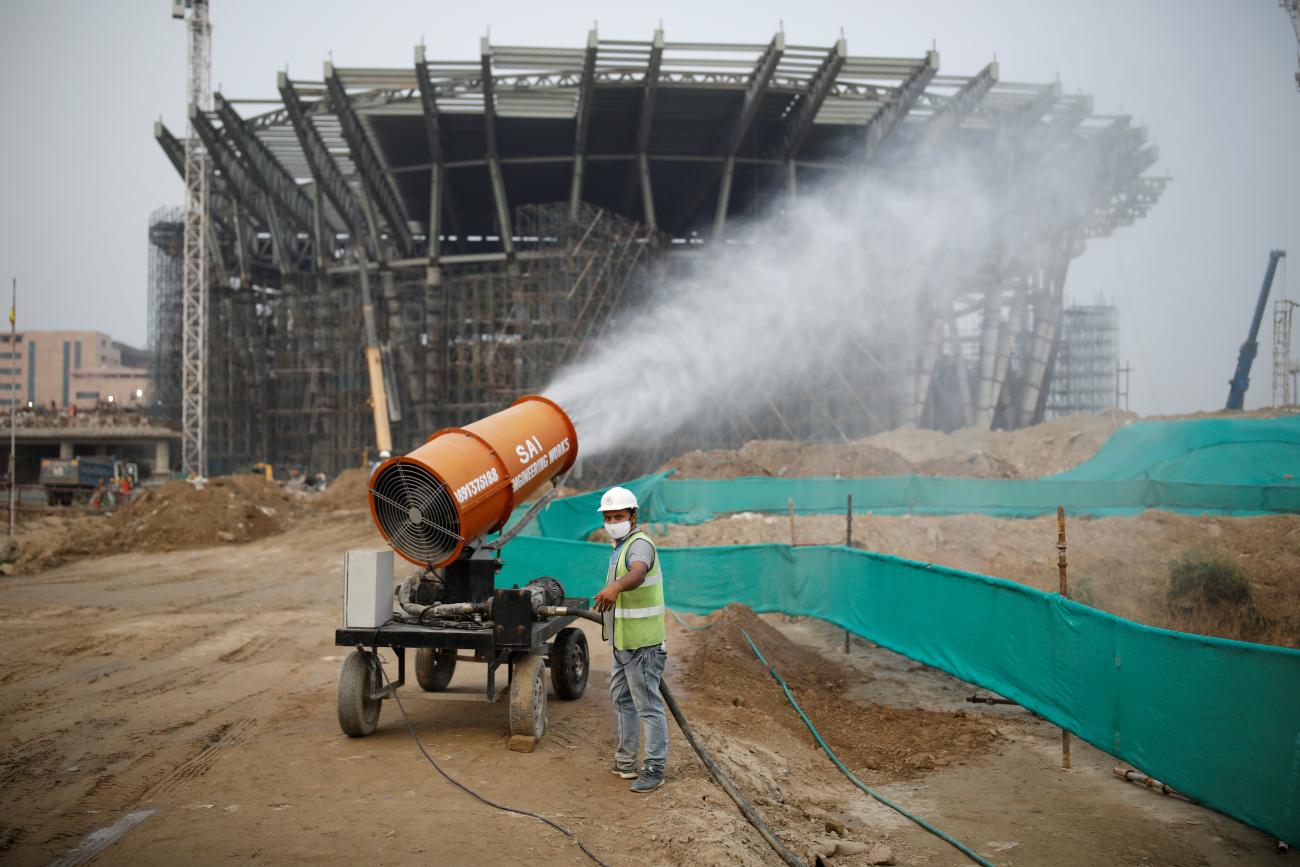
[[76, 479]]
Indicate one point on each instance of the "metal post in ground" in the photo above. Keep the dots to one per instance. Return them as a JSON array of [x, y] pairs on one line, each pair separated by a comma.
[[1065, 591], [792, 537], [848, 543]]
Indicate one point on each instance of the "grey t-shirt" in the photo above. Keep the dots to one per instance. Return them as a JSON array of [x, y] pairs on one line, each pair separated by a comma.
[[641, 551]]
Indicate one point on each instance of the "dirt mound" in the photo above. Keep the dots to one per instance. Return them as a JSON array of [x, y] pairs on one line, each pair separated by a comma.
[[1027, 453], [174, 516], [350, 490], [182, 515], [58, 542], [786, 458], [713, 464], [792, 459], [885, 743]]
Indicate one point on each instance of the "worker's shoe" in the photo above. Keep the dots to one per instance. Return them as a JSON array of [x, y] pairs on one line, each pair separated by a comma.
[[651, 778], [626, 773]]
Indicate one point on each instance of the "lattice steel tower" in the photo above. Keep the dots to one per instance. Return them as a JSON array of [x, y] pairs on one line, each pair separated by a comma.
[[1283, 369], [194, 268]]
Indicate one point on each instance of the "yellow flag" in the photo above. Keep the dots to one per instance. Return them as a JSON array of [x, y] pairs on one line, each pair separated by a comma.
[[11, 316]]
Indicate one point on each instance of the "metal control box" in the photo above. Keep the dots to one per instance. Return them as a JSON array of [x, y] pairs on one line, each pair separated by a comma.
[[367, 588]]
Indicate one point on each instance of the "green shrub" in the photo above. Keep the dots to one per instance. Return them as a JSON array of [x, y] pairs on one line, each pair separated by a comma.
[[1207, 578]]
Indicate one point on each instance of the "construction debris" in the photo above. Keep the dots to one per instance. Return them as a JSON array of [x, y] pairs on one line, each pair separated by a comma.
[[177, 515]]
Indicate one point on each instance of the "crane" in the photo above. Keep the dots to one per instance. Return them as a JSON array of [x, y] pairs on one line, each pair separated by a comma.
[[1246, 355], [1292, 8], [194, 255]]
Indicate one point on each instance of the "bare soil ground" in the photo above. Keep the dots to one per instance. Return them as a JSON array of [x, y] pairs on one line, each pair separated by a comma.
[[199, 684]]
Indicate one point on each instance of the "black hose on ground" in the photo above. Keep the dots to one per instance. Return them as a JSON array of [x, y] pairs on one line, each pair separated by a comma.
[[718, 774], [410, 727], [727, 785], [785, 687], [724, 781]]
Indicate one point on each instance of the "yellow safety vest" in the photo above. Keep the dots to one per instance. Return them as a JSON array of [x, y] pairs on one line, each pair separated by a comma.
[[638, 613]]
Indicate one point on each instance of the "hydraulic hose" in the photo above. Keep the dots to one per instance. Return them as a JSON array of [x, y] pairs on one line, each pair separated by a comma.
[[771, 669], [563, 611], [727, 785]]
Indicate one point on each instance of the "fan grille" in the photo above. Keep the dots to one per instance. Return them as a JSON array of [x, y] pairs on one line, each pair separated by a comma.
[[416, 513]]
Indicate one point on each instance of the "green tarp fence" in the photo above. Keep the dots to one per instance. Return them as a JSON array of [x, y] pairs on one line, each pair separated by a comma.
[[1218, 720], [1251, 451]]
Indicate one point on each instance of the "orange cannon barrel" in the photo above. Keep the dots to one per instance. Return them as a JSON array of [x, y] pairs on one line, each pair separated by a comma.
[[464, 482]]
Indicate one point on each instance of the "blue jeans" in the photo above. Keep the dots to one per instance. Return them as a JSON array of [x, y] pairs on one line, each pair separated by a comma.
[[634, 687]]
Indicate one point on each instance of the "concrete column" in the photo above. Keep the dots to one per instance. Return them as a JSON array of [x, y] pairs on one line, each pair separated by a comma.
[[963, 375], [65, 450], [990, 325], [925, 372], [1005, 341], [162, 457], [1047, 317]]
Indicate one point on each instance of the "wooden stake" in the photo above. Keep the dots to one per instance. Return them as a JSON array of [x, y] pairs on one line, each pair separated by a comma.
[[1065, 591], [792, 538]]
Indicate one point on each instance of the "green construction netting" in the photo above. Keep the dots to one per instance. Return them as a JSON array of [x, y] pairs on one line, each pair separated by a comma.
[[1218, 720], [1218, 451]]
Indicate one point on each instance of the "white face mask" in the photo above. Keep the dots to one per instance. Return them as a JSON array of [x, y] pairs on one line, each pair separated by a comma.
[[618, 529]]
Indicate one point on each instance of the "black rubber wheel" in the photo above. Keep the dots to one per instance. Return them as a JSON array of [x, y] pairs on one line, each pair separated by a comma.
[[528, 697], [359, 678], [434, 668], [570, 663]]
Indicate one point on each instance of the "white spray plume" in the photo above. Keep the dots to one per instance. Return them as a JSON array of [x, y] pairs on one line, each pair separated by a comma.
[[826, 280]]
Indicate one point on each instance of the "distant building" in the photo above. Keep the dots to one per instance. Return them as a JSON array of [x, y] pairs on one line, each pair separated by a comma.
[[70, 368]]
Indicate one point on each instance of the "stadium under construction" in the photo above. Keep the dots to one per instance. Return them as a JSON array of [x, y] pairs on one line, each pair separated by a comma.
[[490, 217]]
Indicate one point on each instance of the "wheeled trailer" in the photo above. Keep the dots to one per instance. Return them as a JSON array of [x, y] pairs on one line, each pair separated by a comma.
[[439, 507], [514, 638]]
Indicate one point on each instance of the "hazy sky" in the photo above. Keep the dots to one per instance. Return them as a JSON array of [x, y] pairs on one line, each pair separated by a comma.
[[1212, 79]]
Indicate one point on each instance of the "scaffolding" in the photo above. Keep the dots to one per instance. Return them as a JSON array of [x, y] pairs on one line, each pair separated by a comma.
[[165, 242], [1284, 369], [1087, 361], [506, 211], [287, 379]]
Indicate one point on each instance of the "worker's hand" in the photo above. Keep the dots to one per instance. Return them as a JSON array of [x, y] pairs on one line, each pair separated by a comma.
[[606, 598]]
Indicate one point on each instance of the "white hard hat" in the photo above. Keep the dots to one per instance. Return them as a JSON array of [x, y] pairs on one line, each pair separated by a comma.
[[617, 498]]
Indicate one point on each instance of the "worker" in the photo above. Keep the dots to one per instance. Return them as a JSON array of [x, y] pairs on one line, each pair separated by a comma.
[[633, 602]]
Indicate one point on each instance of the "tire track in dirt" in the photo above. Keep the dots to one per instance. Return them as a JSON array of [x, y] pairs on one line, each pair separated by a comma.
[[252, 648], [210, 748]]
